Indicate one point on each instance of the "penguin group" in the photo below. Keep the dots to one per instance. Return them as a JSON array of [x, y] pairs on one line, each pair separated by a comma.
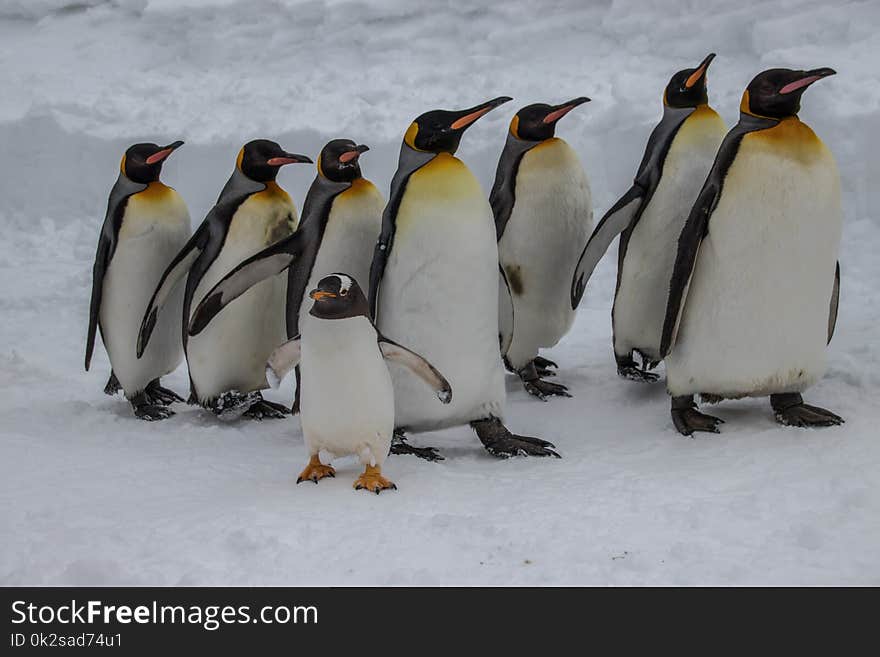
[[402, 316]]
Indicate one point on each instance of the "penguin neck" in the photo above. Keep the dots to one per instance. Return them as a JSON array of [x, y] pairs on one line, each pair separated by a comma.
[[321, 192], [676, 113]]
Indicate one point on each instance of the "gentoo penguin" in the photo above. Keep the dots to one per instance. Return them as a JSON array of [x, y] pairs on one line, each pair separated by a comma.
[[543, 214], [341, 220], [348, 399], [145, 226], [227, 362], [754, 290], [434, 286], [651, 215]]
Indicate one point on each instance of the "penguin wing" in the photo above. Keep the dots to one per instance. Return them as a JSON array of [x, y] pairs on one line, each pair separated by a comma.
[[418, 366], [178, 267], [505, 312], [265, 264], [835, 299], [122, 190], [503, 195], [697, 225], [283, 360], [615, 221]]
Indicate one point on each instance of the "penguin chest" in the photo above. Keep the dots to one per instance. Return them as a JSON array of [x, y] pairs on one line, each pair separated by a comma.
[[646, 268], [756, 314], [439, 295], [231, 353], [350, 235], [154, 227], [551, 220], [347, 403]]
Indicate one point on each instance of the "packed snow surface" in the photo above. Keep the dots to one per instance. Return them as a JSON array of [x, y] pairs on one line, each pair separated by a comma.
[[91, 495]]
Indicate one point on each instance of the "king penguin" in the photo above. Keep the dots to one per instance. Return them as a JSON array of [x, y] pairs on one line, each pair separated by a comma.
[[543, 214], [754, 289], [348, 399], [341, 220], [434, 286], [227, 362], [146, 224], [651, 215]]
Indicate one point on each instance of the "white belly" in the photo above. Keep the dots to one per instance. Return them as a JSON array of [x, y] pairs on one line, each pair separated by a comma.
[[231, 353], [439, 297], [756, 315], [349, 239], [151, 234], [640, 301], [347, 404], [550, 222]]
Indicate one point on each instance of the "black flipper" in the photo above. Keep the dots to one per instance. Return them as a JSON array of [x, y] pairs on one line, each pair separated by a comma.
[[697, 225], [113, 385], [835, 299], [505, 312], [409, 162], [123, 189], [503, 195]]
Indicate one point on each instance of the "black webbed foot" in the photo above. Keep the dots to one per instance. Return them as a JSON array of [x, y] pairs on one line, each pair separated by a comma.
[[688, 419], [400, 446], [791, 411], [159, 395], [628, 369], [145, 409], [544, 366], [233, 404], [112, 386], [499, 441], [263, 409], [539, 388]]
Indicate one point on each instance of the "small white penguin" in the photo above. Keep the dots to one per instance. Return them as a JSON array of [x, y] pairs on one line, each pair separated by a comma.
[[146, 224], [347, 403]]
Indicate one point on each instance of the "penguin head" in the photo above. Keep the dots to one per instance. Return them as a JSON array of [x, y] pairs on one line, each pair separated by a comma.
[[339, 160], [338, 296], [538, 122], [776, 92], [440, 131], [142, 163], [687, 88], [261, 159]]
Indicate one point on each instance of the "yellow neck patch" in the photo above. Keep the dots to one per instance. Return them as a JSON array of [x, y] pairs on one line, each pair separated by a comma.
[[122, 165], [155, 192], [745, 108], [514, 126], [410, 137], [239, 158], [791, 138]]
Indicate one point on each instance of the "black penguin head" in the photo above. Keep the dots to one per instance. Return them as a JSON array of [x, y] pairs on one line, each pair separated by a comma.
[[687, 88], [339, 160], [142, 163], [440, 131], [338, 296], [260, 159], [538, 122], [776, 93]]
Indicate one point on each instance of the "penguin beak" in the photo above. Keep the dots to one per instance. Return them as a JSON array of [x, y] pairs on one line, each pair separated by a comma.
[[467, 117], [700, 73], [559, 111], [808, 78], [288, 158], [318, 295], [160, 155], [348, 156]]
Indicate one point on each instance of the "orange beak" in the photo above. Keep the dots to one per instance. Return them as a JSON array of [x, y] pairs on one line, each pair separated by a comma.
[[317, 295], [697, 75], [480, 110]]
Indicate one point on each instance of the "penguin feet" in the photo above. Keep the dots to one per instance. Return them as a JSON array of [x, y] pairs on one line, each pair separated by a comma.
[[265, 409], [112, 386], [791, 411], [500, 442], [315, 470], [399, 446], [373, 481], [159, 395], [543, 367], [688, 419], [633, 373], [233, 404], [145, 409], [544, 389]]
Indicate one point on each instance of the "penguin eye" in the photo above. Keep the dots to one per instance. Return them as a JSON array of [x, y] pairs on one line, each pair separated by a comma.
[[343, 293]]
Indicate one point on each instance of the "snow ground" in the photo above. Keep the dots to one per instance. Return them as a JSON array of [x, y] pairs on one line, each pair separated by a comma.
[[92, 496]]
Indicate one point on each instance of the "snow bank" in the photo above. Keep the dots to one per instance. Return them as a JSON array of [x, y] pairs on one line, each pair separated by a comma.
[[92, 496]]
